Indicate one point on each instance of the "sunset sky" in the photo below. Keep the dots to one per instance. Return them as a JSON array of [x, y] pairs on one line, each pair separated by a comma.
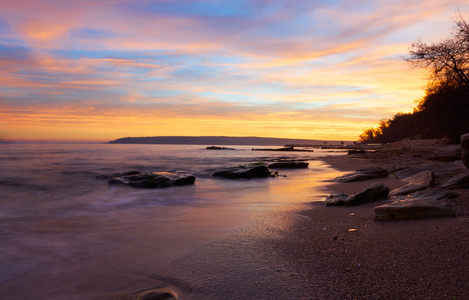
[[105, 69]]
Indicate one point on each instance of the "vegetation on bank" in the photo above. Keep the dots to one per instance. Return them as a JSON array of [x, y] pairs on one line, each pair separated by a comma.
[[444, 110]]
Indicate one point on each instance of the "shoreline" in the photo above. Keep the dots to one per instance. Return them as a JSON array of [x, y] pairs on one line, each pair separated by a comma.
[[274, 242], [411, 259], [306, 251]]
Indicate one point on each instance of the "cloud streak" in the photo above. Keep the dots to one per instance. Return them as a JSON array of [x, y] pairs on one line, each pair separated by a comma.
[[303, 69]]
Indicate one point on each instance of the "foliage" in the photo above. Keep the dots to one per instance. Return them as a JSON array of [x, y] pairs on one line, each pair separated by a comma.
[[444, 111]]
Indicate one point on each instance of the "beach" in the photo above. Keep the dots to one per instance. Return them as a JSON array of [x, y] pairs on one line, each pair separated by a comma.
[[307, 251], [256, 239], [411, 259]]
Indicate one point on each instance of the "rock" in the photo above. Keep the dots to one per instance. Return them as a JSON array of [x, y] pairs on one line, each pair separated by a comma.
[[333, 199], [244, 171], [439, 169], [423, 204], [429, 194], [218, 148], [465, 149], [289, 165], [363, 174], [457, 181], [417, 182], [376, 192], [153, 180], [159, 294]]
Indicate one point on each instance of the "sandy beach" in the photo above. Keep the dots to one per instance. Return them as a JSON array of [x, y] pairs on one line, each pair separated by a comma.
[[413, 259]]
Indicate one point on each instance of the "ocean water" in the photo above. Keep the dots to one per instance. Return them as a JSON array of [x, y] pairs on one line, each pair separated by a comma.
[[61, 228]]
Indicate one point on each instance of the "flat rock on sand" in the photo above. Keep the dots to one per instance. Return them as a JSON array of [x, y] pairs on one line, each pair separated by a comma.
[[416, 182]]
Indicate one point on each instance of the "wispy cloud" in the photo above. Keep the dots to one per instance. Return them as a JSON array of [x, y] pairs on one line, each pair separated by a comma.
[[308, 69]]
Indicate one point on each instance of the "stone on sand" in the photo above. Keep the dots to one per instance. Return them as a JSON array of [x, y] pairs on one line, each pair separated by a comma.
[[363, 174], [376, 192], [416, 182], [422, 204]]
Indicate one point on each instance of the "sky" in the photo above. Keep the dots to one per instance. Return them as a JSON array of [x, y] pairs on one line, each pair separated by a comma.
[[99, 70]]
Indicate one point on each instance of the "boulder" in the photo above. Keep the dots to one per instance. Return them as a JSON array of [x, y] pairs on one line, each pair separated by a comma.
[[416, 182], [457, 182], [376, 192], [465, 149], [289, 165], [363, 174], [423, 204], [244, 171], [152, 180]]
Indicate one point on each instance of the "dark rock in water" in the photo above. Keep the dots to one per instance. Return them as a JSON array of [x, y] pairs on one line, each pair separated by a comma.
[[244, 171], [423, 204], [218, 148], [292, 149], [289, 165], [376, 192], [416, 182], [456, 182], [152, 180], [363, 174], [159, 294]]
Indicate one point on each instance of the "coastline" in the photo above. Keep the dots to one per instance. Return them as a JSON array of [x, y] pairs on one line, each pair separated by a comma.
[[306, 251], [271, 239], [412, 259]]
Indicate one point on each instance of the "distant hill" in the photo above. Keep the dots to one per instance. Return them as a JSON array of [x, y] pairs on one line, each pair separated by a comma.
[[216, 140]]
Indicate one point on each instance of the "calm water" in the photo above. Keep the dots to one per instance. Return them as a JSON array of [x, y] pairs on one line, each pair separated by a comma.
[[56, 216]]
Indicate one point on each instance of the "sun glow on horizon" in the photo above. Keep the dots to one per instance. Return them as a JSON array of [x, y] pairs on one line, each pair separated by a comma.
[[313, 70]]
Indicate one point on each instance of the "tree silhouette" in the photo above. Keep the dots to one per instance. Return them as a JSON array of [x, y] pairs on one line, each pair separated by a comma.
[[446, 61], [444, 111]]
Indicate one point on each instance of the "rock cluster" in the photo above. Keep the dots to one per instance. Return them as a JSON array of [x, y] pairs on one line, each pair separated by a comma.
[[422, 197]]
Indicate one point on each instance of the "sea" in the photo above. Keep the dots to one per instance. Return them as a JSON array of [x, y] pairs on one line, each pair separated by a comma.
[[64, 234]]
